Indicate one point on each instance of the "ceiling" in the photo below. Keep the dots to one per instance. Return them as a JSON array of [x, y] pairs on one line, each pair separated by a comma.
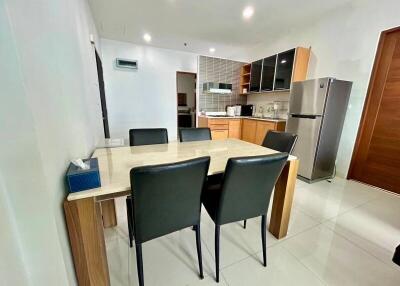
[[203, 24]]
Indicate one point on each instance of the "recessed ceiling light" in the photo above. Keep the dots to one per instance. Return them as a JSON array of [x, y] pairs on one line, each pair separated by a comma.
[[212, 50], [248, 12], [147, 37], [283, 61]]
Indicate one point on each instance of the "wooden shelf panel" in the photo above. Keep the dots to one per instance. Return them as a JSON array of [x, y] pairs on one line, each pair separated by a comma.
[[245, 76]]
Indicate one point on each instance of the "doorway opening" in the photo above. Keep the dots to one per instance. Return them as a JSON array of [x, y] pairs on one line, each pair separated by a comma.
[[102, 95], [186, 99]]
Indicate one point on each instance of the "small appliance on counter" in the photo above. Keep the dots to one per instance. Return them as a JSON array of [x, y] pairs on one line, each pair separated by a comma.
[[247, 110], [238, 110], [317, 109], [230, 111]]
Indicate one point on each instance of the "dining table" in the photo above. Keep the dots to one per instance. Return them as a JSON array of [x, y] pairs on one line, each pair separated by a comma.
[[88, 212]]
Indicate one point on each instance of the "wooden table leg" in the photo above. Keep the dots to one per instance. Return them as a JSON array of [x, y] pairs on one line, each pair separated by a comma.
[[86, 237], [283, 198], [108, 213]]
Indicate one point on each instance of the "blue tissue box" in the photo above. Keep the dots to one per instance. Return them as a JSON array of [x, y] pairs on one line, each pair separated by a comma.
[[80, 180]]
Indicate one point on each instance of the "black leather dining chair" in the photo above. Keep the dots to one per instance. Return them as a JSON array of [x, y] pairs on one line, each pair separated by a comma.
[[280, 141], [199, 134], [148, 136], [194, 134], [396, 256], [167, 198], [137, 137], [245, 193]]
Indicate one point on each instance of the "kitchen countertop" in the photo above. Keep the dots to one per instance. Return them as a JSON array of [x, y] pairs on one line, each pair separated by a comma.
[[245, 117]]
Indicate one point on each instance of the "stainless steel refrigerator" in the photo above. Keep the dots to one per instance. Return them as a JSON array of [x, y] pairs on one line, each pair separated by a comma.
[[317, 109]]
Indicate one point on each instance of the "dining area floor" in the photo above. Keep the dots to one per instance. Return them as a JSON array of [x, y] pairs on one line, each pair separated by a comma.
[[340, 233]]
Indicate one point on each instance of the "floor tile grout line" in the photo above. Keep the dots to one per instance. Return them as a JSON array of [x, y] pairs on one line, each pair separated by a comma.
[[327, 224], [342, 236], [348, 211], [291, 254], [278, 242], [338, 215], [226, 280], [356, 245], [252, 254], [308, 268]]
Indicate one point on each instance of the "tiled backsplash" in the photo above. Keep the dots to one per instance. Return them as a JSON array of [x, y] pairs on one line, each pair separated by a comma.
[[263, 103], [223, 71]]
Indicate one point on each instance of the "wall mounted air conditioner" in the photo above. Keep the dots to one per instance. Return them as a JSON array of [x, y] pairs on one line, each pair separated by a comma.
[[216, 87], [126, 64]]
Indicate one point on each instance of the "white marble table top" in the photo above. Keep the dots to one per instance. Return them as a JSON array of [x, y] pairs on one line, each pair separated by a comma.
[[116, 163]]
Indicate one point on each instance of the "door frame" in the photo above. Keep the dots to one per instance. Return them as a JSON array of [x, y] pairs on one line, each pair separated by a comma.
[[365, 116], [102, 91], [195, 96]]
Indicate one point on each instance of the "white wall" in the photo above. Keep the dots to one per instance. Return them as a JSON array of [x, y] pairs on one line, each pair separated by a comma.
[[49, 114], [145, 98], [343, 46]]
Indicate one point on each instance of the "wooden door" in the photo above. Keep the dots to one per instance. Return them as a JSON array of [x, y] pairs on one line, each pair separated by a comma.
[[249, 130], [262, 128], [376, 157]]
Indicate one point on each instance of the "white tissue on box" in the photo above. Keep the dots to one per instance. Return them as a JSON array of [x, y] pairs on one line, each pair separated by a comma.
[[80, 164]]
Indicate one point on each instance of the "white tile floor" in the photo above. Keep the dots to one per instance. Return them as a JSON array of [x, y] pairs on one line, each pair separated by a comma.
[[340, 233]]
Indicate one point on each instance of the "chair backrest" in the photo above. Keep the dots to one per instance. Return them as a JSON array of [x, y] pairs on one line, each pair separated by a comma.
[[194, 134], [148, 136], [280, 141], [167, 198], [396, 256], [247, 186]]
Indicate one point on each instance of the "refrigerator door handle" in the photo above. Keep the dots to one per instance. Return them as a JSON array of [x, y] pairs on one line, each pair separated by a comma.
[[304, 116]]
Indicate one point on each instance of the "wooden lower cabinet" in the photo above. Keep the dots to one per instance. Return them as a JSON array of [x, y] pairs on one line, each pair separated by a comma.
[[222, 128], [219, 134], [254, 131], [234, 128], [250, 130], [249, 127], [261, 131]]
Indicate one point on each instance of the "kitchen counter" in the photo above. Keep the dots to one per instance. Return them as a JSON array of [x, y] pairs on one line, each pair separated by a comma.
[[245, 117]]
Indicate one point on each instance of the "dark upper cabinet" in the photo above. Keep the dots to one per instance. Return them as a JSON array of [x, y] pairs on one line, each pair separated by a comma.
[[255, 76], [284, 69], [268, 72]]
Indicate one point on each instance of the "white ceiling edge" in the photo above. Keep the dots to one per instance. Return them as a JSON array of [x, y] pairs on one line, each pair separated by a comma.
[[222, 52]]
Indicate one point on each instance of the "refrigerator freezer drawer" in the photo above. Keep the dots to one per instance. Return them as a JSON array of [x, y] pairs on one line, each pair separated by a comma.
[[308, 130]]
